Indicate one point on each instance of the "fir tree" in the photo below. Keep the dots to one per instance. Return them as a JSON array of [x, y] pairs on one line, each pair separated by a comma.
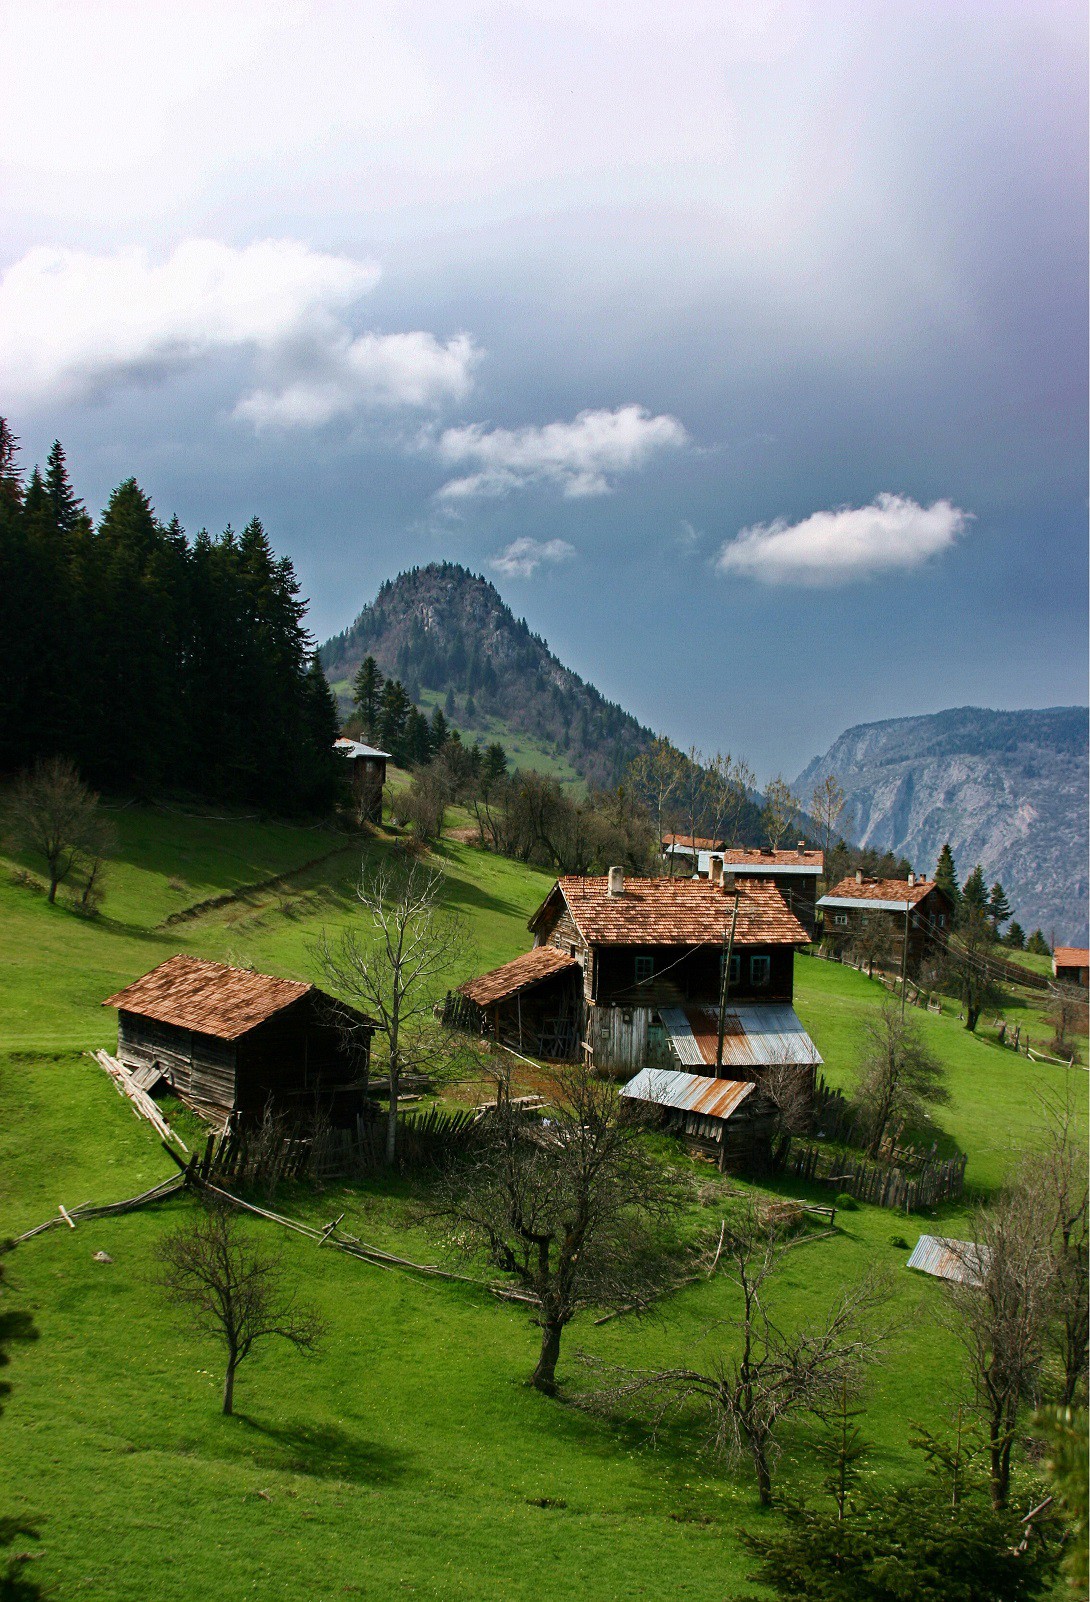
[[417, 738], [367, 694], [999, 908], [439, 734], [69, 511], [974, 892], [1038, 944], [393, 716], [945, 876], [450, 705], [1016, 936]]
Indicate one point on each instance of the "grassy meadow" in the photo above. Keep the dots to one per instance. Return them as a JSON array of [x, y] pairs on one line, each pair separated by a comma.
[[408, 1455]]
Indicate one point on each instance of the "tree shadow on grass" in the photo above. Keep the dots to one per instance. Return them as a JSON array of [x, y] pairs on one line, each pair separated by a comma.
[[327, 1452]]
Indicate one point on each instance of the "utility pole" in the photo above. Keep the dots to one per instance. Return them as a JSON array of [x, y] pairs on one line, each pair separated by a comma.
[[724, 977], [904, 963]]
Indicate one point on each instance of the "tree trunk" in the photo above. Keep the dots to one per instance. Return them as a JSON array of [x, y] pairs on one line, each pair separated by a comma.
[[544, 1375], [391, 1131], [764, 1476], [51, 898], [229, 1387]]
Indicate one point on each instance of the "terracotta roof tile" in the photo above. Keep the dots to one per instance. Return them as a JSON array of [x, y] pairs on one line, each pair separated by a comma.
[[691, 842], [1071, 957], [754, 857], [208, 996], [676, 912], [529, 969], [881, 890]]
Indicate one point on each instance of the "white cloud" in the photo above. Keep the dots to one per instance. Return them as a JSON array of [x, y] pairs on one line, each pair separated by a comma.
[[524, 556], [580, 458], [75, 325], [834, 547]]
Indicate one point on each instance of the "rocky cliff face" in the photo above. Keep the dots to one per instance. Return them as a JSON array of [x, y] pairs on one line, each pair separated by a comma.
[[1007, 789]]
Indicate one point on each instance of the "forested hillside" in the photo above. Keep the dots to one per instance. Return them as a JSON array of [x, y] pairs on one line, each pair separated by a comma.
[[154, 661], [441, 628]]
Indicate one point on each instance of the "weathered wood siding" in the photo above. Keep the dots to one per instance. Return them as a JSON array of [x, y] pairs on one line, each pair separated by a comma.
[[617, 1037], [200, 1068], [565, 936], [680, 976]]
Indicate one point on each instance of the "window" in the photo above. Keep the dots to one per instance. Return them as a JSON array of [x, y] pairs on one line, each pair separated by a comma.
[[942, 920], [760, 970], [645, 967], [840, 919], [735, 968]]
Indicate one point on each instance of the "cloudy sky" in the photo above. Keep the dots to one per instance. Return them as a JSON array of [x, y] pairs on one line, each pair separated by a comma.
[[743, 347]]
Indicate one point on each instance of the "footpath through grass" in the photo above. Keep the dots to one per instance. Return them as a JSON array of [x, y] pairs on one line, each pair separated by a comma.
[[408, 1456]]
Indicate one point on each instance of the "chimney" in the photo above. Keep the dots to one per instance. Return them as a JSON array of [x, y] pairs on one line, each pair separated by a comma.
[[859, 876], [616, 881], [802, 846], [911, 879], [729, 883], [715, 871]]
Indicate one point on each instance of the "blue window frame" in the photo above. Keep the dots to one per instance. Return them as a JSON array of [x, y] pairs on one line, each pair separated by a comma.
[[645, 967], [760, 971], [735, 967]]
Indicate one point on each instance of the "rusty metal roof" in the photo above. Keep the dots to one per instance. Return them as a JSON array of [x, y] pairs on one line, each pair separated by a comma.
[[529, 969], [960, 1260], [756, 1035], [696, 1093], [675, 912], [208, 996]]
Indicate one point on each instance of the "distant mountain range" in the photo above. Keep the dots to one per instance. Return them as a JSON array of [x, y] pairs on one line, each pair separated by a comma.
[[444, 629], [1007, 789]]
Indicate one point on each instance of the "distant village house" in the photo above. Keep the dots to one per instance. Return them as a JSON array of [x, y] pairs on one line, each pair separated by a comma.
[[227, 1040], [795, 873], [1071, 965], [916, 909], [368, 767]]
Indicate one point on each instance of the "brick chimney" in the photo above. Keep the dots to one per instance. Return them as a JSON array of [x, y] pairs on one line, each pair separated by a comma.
[[616, 881]]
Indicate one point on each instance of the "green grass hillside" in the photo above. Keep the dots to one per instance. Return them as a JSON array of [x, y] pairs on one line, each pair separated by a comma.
[[408, 1456]]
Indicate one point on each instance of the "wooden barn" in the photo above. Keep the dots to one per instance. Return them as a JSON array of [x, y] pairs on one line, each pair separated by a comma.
[[228, 1040], [729, 1120], [533, 1004]]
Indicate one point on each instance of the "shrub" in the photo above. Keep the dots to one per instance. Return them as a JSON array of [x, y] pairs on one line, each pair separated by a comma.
[[847, 1203]]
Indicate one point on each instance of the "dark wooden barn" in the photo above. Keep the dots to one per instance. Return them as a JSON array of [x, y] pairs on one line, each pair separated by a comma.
[[228, 1040], [533, 1003], [368, 769]]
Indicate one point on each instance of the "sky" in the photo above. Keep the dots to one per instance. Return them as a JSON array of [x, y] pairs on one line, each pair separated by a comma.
[[742, 347]]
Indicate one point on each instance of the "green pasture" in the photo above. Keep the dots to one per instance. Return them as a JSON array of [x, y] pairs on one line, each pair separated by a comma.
[[408, 1455]]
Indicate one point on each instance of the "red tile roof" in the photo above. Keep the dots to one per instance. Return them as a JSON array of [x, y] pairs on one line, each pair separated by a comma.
[[1071, 957], [880, 890], [529, 969], [676, 912], [753, 856], [691, 842], [208, 996]]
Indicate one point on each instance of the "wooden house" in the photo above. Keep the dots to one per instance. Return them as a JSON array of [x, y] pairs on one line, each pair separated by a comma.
[[368, 768], [1071, 965], [227, 1040], [794, 872], [645, 964], [729, 1120], [914, 909]]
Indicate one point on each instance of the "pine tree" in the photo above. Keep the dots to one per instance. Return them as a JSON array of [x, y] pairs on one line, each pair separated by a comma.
[[999, 908], [974, 892], [1016, 937], [417, 738], [440, 734], [69, 511], [450, 705], [367, 694], [393, 716], [945, 876], [1038, 944]]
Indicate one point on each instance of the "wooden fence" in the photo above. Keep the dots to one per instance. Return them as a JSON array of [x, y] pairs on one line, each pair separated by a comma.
[[881, 1184]]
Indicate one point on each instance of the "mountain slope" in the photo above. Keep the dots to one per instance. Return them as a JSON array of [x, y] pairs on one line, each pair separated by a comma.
[[1007, 789], [441, 628]]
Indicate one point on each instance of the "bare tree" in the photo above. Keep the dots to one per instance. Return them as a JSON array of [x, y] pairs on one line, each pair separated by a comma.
[[573, 1208], [655, 775], [1057, 1171], [394, 972], [232, 1291], [1001, 1317], [900, 1080], [1066, 1013], [53, 815], [871, 943], [781, 810], [828, 808], [748, 1392], [727, 785], [788, 1087]]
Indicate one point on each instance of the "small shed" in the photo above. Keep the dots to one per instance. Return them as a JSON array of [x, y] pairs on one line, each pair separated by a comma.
[[727, 1119], [231, 1040], [533, 1003], [368, 768]]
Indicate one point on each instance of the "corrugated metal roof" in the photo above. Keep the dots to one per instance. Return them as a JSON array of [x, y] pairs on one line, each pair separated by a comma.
[[757, 1035], [353, 748], [695, 1093], [960, 1260], [529, 969]]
